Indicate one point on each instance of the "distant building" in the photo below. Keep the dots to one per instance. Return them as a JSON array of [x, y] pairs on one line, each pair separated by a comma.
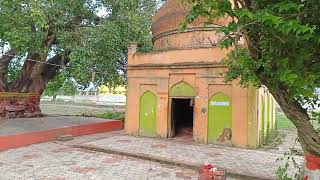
[[87, 93], [105, 90], [92, 90]]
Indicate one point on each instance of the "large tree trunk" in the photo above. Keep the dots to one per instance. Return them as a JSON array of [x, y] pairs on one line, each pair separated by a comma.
[[4, 64], [33, 79], [308, 137]]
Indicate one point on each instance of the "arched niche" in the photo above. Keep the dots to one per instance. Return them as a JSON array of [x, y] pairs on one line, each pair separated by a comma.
[[220, 119], [182, 89], [147, 114]]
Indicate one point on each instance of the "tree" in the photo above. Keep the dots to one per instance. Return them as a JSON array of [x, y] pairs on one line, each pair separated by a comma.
[[60, 85], [106, 45], [282, 52], [40, 37]]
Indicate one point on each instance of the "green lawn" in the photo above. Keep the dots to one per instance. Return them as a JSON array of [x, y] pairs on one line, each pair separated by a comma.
[[284, 123]]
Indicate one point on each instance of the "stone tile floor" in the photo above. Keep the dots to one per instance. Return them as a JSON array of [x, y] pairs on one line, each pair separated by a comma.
[[255, 163], [53, 161], [61, 160]]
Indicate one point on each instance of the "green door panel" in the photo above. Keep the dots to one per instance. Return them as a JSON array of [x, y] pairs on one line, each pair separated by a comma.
[[220, 118], [182, 89], [262, 119], [268, 117], [274, 114], [148, 109]]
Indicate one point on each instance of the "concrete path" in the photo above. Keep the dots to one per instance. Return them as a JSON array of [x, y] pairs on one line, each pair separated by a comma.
[[25, 125], [252, 163], [289, 142]]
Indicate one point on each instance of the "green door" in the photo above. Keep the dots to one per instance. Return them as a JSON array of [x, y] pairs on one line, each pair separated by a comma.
[[220, 119], [268, 117], [148, 109], [263, 110]]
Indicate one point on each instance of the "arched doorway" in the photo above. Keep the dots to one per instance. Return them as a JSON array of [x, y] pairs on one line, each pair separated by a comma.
[[182, 105], [220, 119], [148, 110]]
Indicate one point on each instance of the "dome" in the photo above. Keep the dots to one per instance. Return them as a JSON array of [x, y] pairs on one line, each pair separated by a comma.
[[166, 23]]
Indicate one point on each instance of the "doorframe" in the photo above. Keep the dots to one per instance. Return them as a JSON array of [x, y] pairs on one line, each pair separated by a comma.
[[170, 130]]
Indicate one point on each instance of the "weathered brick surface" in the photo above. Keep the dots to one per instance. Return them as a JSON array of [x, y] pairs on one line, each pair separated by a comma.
[[254, 163]]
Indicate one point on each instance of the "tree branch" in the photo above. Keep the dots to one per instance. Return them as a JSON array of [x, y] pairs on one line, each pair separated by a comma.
[[49, 70]]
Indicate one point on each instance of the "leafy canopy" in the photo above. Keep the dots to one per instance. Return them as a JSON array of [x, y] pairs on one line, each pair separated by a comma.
[[95, 44], [282, 43], [104, 51]]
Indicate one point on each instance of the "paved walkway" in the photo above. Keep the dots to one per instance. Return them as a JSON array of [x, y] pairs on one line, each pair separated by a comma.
[[62, 160], [289, 142], [253, 163], [52, 161], [25, 125]]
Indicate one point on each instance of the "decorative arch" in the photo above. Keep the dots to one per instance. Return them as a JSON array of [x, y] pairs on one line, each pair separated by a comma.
[[182, 89], [220, 119], [147, 114]]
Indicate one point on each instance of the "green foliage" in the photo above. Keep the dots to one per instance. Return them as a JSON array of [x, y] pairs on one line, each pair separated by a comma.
[[281, 49], [104, 50], [315, 120], [26, 23], [97, 45], [283, 43], [117, 115], [14, 69], [283, 122], [61, 85], [289, 161]]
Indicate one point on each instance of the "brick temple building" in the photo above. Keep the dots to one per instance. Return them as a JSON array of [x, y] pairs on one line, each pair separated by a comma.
[[179, 87]]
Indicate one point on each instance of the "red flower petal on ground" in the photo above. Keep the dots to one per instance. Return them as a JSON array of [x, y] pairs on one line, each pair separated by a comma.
[[209, 166]]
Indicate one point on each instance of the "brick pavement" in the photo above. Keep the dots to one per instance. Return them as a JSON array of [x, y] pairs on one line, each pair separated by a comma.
[[255, 163], [53, 161]]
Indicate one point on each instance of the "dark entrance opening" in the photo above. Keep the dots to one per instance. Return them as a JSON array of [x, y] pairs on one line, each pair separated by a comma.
[[182, 117]]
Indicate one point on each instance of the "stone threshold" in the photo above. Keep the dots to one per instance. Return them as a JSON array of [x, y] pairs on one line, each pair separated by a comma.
[[162, 160]]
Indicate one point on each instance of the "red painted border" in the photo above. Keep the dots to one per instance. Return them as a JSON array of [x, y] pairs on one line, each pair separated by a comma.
[[25, 139], [312, 162]]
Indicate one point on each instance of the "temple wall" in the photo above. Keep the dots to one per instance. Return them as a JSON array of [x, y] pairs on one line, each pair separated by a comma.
[[266, 114], [206, 81], [200, 55]]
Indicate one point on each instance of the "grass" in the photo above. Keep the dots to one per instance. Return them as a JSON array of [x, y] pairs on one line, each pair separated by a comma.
[[116, 115], [76, 109], [283, 122]]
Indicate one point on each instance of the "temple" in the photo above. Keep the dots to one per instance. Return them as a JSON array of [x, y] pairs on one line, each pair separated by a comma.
[[179, 88]]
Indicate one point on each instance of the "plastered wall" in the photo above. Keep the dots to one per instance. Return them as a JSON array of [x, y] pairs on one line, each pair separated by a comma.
[[158, 72]]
